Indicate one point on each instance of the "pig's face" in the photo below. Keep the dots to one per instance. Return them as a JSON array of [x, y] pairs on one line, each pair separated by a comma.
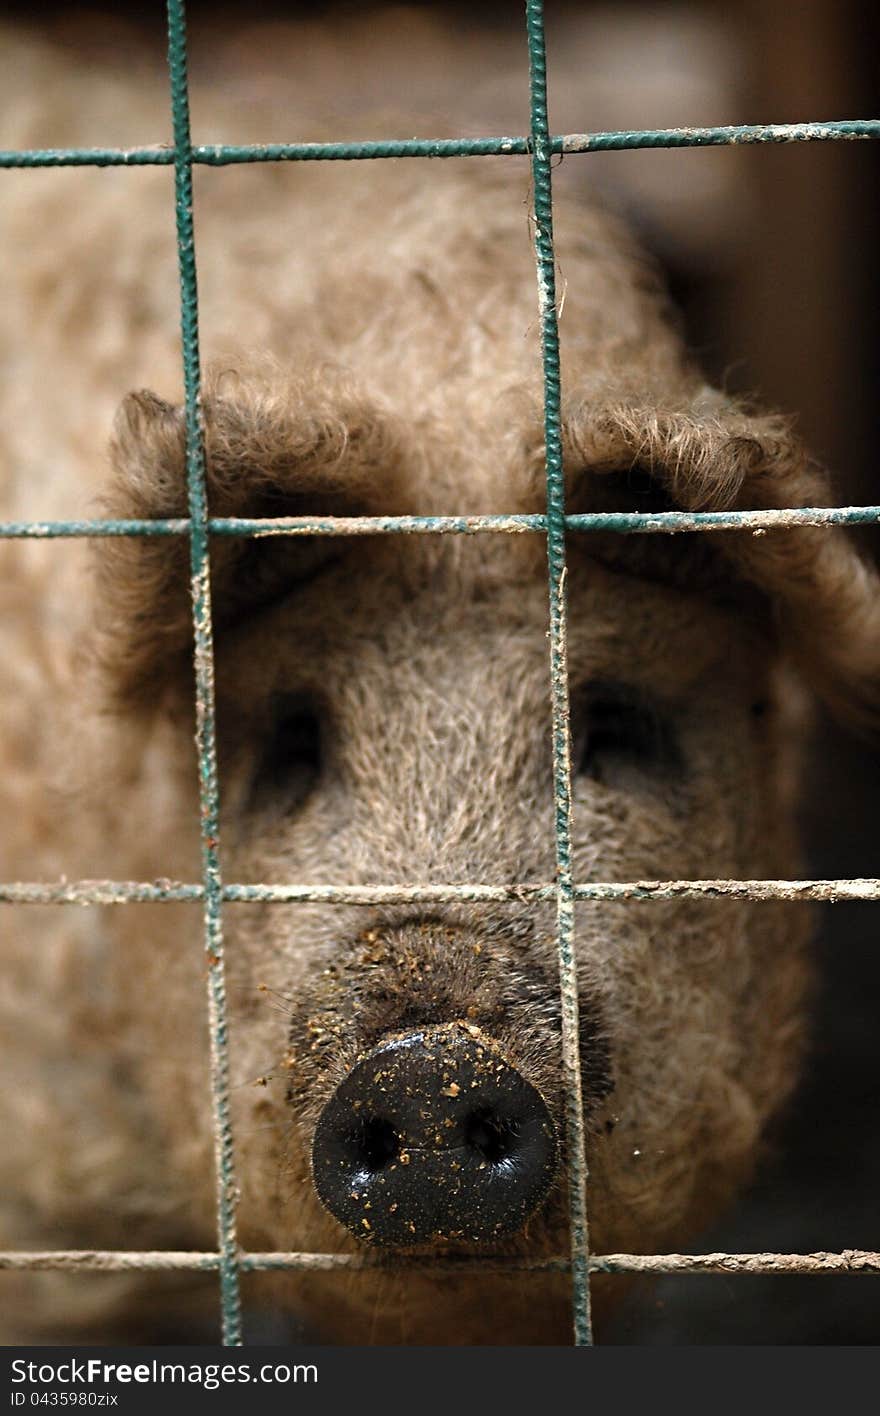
[[384, 719], [386, 722]]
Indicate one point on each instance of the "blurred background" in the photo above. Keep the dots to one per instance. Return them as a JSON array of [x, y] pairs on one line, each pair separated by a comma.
[[771, 254]]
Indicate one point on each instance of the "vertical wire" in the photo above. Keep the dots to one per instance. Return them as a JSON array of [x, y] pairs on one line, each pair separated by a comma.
[[204, 680], [575, 1130]]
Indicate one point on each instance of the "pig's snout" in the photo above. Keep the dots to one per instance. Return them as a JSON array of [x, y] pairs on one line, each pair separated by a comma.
[[434, 1136]]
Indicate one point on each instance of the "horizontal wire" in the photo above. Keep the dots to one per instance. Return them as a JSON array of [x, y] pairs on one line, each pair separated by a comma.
[[848, 1261], [622, 522], [225, 154], [727, 135], [120, 892]]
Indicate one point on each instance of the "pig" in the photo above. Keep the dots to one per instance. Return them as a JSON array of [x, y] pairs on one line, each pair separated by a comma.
[[371, 343]]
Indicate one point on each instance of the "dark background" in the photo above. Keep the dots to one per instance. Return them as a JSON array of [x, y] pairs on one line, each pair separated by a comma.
[[771, 252]]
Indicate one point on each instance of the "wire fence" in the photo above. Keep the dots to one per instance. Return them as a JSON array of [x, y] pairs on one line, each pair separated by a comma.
[[541, 145]]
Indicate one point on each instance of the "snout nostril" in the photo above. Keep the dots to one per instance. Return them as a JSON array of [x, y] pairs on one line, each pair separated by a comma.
[[491, 1136], [376, 1143]]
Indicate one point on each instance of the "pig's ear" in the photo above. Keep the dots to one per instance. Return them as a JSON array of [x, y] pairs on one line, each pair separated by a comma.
[[715, 456], [312, 447]]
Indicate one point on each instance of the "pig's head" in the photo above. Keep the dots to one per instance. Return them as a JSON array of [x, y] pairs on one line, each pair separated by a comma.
[[383, 711]]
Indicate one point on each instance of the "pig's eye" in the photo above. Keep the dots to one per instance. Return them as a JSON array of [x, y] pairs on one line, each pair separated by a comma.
[[621, 738], [291, 759]]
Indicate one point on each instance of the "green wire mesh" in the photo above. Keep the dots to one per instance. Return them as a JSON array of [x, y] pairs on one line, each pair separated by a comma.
[[576, 1145], [224, 154], [204, 677], [630, 523], [229, 1262]]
